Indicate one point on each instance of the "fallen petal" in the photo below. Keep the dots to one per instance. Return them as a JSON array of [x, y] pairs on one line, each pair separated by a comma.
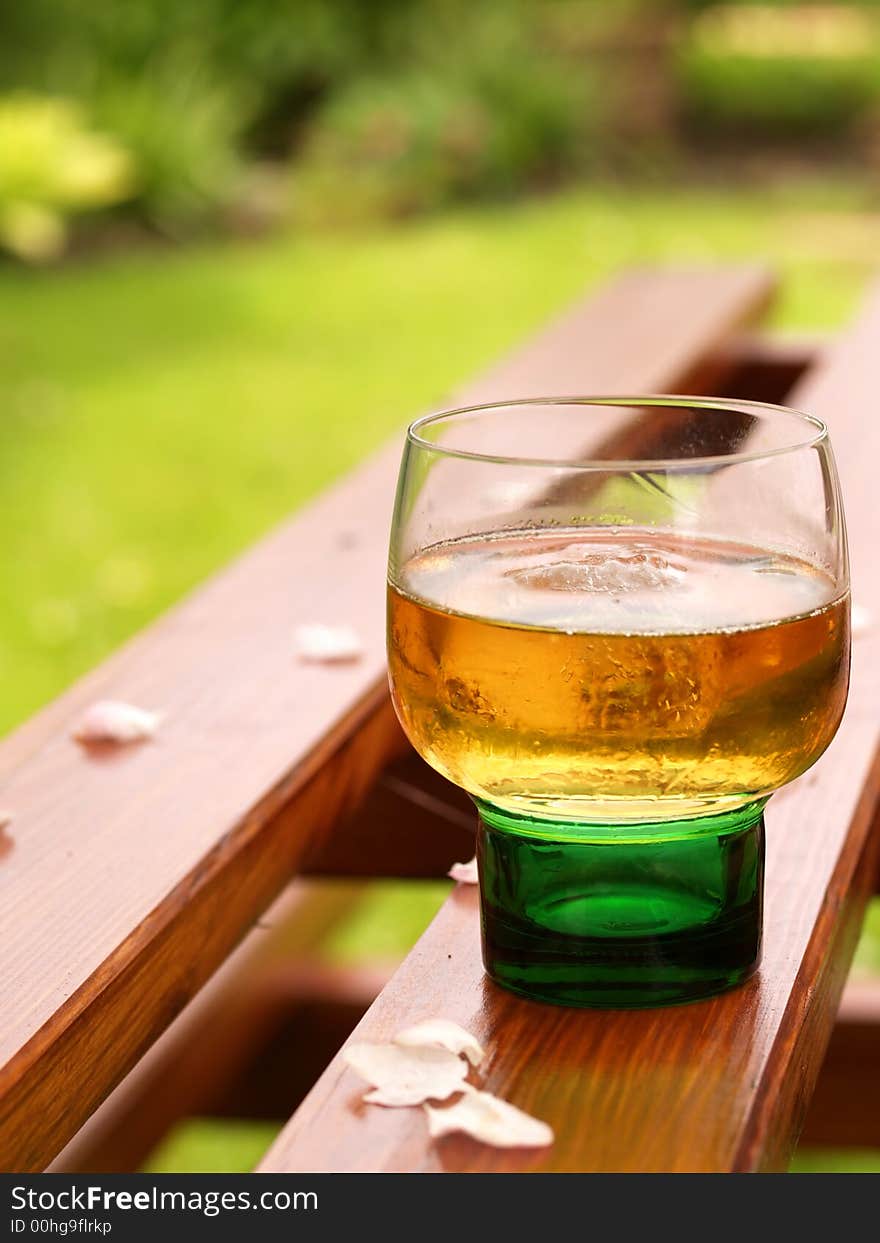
[[493, 1121], [465, 873], [406, 1076], [328, 644], [393, 1098], [860, 620], [443, 1034], [110, 720]]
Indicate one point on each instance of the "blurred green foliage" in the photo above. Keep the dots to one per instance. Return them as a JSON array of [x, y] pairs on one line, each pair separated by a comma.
[[395, 146], [182, 132], [414, 102], [776, 96], [399, 106], [799, 71], [53, 165], [186, 85], [475, 101]]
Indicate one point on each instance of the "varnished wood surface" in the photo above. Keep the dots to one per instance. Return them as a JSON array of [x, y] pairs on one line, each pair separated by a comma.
[[131, 875], [717, 1085], [209, 1043]]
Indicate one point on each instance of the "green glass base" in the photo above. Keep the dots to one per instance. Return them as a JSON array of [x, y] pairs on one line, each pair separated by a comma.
[[621, 917]]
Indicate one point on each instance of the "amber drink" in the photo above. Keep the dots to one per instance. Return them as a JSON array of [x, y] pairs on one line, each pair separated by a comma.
[[550, 673]]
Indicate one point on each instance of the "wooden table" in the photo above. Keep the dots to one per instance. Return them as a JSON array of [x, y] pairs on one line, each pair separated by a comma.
[[128, 877]]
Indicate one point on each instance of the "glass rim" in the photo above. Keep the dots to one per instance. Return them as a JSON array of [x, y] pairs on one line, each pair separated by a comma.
[[658, 400]]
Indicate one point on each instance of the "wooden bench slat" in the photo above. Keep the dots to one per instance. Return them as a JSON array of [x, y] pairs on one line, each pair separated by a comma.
[[719, 1085], [184, 1067], [133, 874]]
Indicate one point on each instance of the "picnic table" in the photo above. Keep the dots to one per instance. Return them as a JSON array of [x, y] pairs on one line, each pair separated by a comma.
[[159, 916]]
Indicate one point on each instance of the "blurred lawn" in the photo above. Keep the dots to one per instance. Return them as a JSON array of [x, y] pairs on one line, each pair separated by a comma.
[[158, 411], [208, 1146]]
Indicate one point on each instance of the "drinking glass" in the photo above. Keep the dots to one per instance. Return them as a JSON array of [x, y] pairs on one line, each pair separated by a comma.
[[619, 623]]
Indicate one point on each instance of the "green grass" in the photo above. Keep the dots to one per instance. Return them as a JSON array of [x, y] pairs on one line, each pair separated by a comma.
[[159, 411], [867, 958], [835, 1161], [212, 1146], [389, 918]]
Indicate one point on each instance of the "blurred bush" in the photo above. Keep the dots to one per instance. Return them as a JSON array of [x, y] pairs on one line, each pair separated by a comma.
[[457, 101], [398, 145], [393, 107], [183, 133], [780, 71], [190, 87], [52, 166], [400, 105]]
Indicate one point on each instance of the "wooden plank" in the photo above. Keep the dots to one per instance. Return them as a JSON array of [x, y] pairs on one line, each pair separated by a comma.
[[133, 874], [719, 1085], [635, 341], [188, 1066]]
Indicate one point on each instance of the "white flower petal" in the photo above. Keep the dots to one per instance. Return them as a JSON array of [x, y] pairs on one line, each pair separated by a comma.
[[395, 1098], [860, 620], [406, 1076], [465, 873], [319, 644], [443, 1034], [110, 720], [493, 1121]]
